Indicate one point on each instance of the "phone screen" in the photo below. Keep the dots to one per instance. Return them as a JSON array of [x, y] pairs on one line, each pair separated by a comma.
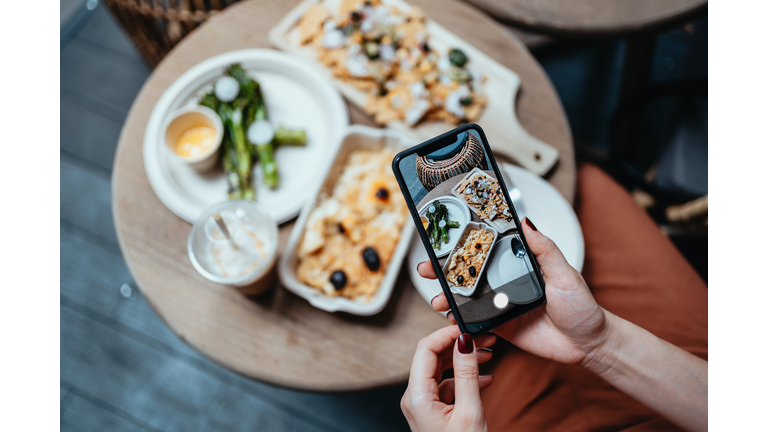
[[469, 227]]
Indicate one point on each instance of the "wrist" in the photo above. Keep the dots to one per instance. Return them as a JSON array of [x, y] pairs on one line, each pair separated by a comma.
[[603, 355]]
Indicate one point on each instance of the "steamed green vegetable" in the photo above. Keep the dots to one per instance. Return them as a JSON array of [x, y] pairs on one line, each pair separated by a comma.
[[238, 151], [439, 224], [290, 137]]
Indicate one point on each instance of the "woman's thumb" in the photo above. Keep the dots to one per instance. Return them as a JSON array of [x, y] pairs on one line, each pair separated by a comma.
[[465, 374], [551, 260]]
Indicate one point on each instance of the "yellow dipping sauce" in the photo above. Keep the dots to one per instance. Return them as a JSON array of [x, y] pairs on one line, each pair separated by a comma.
[[195, 141]]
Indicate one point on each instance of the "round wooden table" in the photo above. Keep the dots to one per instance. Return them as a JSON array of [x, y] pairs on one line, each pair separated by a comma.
[[591, 17], [280, 338]]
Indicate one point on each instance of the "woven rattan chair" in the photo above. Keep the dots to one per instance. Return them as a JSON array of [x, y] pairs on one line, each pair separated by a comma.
[[433, 171], [156, 26]]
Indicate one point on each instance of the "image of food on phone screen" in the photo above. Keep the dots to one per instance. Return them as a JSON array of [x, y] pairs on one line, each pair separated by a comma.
[[470, 228]]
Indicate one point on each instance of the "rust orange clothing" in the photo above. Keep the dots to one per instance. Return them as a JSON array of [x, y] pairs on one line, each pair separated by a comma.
[[635, 272]]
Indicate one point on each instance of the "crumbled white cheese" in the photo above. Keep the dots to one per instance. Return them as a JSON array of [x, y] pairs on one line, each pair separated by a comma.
[[405, 63], [453, 101], [354, 50], [387, 52], [416, 111], [417, 89], [367, 25], [396, 101], [443, 64], [358, 65], [477, 76], [333, 39]]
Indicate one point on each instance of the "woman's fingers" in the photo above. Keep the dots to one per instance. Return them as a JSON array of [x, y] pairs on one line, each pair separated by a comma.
[[465, 375], [440, 303], [426, 270], [482, 357], [553, 263], [426, 361], [485, 341], [451, 318], [484, 353], [447, 389]]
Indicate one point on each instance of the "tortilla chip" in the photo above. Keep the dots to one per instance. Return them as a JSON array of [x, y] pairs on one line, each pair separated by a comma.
[[312, 22], [348, 6], [441, 115], [475, 109]]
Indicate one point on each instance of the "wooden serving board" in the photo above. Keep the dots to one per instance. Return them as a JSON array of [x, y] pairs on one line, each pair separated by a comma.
[[499, 121]]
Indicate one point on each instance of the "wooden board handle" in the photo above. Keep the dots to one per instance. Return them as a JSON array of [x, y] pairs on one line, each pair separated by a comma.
[[525, 149], [508, 138]]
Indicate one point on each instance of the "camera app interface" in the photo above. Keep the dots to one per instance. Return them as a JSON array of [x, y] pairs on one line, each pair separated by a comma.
[[470, 228]]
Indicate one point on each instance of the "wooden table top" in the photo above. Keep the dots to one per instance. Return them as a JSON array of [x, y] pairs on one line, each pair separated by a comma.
[[590, 17], [280, 338]]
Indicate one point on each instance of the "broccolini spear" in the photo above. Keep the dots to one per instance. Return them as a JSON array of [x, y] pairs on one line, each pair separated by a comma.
[[237, 188], [290, 137], [260, 132], [232, 115], [209, 100], [437, 213]]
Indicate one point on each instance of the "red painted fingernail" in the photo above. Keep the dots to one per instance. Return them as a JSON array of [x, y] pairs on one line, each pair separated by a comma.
[[433, 299], [465, 343], [530, 224]]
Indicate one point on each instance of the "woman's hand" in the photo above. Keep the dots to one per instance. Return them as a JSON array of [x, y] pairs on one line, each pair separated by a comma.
[[569, 328], [426, 403]]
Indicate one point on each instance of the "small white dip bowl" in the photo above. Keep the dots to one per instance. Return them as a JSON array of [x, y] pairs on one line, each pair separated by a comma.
[[187, 118]]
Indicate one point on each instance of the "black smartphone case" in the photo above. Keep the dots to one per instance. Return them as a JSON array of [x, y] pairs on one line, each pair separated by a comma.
[[429, 146]]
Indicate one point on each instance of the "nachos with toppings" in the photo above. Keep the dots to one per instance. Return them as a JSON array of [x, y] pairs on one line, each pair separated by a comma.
[[386, 52], [483, 193]]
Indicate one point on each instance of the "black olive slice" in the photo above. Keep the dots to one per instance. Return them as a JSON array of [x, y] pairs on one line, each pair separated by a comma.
[[338, 279], [371, 259], [382, 194]]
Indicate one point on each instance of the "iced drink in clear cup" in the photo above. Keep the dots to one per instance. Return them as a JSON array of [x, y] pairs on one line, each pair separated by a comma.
[[235, 243]]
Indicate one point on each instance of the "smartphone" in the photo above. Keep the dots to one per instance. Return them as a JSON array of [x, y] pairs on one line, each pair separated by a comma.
[[465, 218]]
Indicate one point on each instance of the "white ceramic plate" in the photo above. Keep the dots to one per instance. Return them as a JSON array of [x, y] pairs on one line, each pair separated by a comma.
[[546, 207], [457, 211], [504, 265], [295, 96]]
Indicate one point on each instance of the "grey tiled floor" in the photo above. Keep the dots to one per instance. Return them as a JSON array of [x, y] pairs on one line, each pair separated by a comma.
[[121, 368]]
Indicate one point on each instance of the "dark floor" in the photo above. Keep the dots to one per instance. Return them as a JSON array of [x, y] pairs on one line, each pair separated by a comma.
[[121, 367]]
